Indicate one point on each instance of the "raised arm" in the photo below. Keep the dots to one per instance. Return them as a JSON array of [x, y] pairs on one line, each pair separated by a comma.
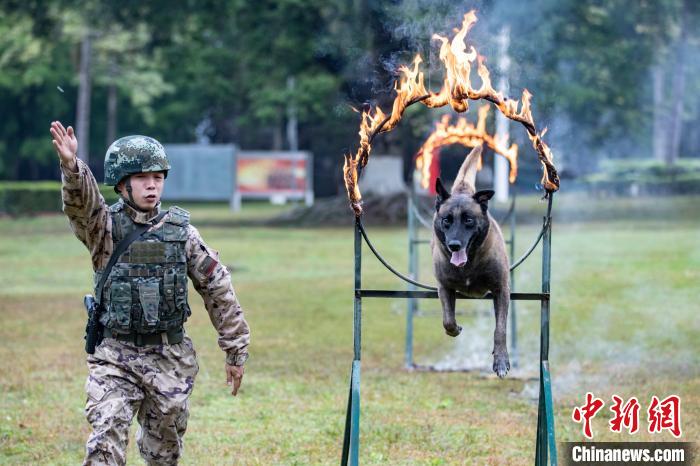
[[83, 203]]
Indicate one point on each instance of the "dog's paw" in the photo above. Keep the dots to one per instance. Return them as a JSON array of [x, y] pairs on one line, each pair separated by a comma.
[[454, 330], [501, 365]]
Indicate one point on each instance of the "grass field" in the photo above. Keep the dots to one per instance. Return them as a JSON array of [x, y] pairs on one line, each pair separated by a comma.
[[624, 321]]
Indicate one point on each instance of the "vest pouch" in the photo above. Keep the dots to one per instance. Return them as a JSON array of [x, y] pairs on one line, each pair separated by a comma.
[[181, 296], [149, 297], [169, 293], [120, 305]]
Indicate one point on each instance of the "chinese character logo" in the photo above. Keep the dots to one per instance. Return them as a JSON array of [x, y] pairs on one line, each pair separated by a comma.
[[665, 415], [626, 416], [661, 415], [587, 412]]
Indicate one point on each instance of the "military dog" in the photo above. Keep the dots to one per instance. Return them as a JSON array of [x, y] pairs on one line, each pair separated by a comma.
[[469, 254]]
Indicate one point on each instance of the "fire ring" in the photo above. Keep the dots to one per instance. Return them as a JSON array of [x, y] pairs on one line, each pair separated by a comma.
[[465, 133], [456, 91]]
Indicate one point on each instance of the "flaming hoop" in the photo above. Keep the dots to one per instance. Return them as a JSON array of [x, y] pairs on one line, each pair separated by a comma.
[[456, 91], [466, 134]]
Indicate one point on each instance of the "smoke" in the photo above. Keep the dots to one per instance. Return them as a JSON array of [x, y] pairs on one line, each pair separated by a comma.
[[472, 348], [594, 99], [592, 363], [413, 24], [628, 329], [588, 354]]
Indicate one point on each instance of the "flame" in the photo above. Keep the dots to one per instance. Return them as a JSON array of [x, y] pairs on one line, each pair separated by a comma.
[[456, 91], [410, 86], [465, 133]]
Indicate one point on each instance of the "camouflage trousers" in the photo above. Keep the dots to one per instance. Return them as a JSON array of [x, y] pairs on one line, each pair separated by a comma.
[[153, 382]]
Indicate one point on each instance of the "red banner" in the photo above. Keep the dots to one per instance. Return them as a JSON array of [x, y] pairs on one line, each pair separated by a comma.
[[267, 175]]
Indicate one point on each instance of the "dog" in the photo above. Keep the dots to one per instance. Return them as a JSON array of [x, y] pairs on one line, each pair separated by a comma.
[[469, 254]]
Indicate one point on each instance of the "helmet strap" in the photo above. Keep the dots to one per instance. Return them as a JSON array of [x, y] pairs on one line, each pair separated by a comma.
[[127, 185], [130, 200]]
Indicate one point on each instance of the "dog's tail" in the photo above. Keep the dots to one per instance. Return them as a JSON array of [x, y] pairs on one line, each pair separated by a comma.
[[465, 183]]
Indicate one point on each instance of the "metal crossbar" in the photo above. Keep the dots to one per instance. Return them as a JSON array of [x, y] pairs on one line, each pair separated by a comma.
[[434, 295], [545, 451]]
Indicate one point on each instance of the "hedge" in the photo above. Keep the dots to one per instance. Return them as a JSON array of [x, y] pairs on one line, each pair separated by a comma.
[[33, 197], [646, 177]]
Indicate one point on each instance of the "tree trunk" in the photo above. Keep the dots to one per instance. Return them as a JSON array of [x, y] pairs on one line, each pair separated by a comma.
[[691, 133], [676, 118], [292, 124], [659, 117], [112, 105], [277, 135], [111, 113], [84, 92]]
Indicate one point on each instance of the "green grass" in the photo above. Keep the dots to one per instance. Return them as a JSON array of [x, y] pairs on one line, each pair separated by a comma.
[[624, 321]]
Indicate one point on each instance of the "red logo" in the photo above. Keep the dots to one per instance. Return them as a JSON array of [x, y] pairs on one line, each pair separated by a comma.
[[662, 414], [587, 412], [665, 415], [626, 416]]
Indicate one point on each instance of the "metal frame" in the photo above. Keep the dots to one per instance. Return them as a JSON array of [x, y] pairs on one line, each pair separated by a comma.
[[415, 220], [546, 450]]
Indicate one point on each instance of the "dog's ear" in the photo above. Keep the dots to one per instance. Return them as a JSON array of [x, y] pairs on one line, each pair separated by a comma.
[[483, 197], [442, 194]]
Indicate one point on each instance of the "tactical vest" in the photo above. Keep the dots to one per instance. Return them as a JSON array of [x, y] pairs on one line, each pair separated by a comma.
[[146, 291]]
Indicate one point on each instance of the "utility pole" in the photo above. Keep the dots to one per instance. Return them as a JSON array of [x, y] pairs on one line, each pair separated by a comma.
[[500, 164]]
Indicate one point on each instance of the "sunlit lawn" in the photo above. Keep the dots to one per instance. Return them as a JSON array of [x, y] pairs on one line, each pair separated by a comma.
[[624, 321]]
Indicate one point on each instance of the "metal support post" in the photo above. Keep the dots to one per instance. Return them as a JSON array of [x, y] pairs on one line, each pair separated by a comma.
[[351, 440], [513, 307], [546, 451], [411, 305], [546, 442]]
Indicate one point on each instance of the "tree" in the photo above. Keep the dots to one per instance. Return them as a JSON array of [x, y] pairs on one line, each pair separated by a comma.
[[218, 70]]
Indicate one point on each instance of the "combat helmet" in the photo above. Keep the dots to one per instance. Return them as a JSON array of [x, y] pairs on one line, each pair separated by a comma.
[[134, 154]]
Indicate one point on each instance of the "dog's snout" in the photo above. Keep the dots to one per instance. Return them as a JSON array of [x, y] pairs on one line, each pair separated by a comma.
[[454, 246]]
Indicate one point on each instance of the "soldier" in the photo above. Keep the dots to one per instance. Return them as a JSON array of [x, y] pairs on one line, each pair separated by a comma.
[[146, 364]]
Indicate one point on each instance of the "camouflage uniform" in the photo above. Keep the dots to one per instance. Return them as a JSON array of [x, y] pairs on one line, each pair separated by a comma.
[[152, 381]]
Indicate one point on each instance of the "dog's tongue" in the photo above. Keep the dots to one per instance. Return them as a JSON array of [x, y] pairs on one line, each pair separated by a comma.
[[459, 258]]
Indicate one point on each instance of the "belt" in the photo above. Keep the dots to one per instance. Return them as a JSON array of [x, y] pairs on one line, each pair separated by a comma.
[[171, 337]]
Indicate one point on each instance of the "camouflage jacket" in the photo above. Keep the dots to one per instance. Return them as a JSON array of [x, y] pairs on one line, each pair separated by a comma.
[[91, 222]]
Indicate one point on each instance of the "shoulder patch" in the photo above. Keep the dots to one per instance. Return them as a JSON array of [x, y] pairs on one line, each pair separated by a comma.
[[207, 266], [178, 216]]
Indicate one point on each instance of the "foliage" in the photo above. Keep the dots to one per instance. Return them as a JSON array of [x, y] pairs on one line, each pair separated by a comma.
[[635, 176], [645, 177], [220, 71], [647, 170], [26, 198], [19, 198]]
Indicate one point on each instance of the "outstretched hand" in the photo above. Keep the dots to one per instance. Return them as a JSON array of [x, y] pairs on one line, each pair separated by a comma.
[[66, 144], [234, 377]]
